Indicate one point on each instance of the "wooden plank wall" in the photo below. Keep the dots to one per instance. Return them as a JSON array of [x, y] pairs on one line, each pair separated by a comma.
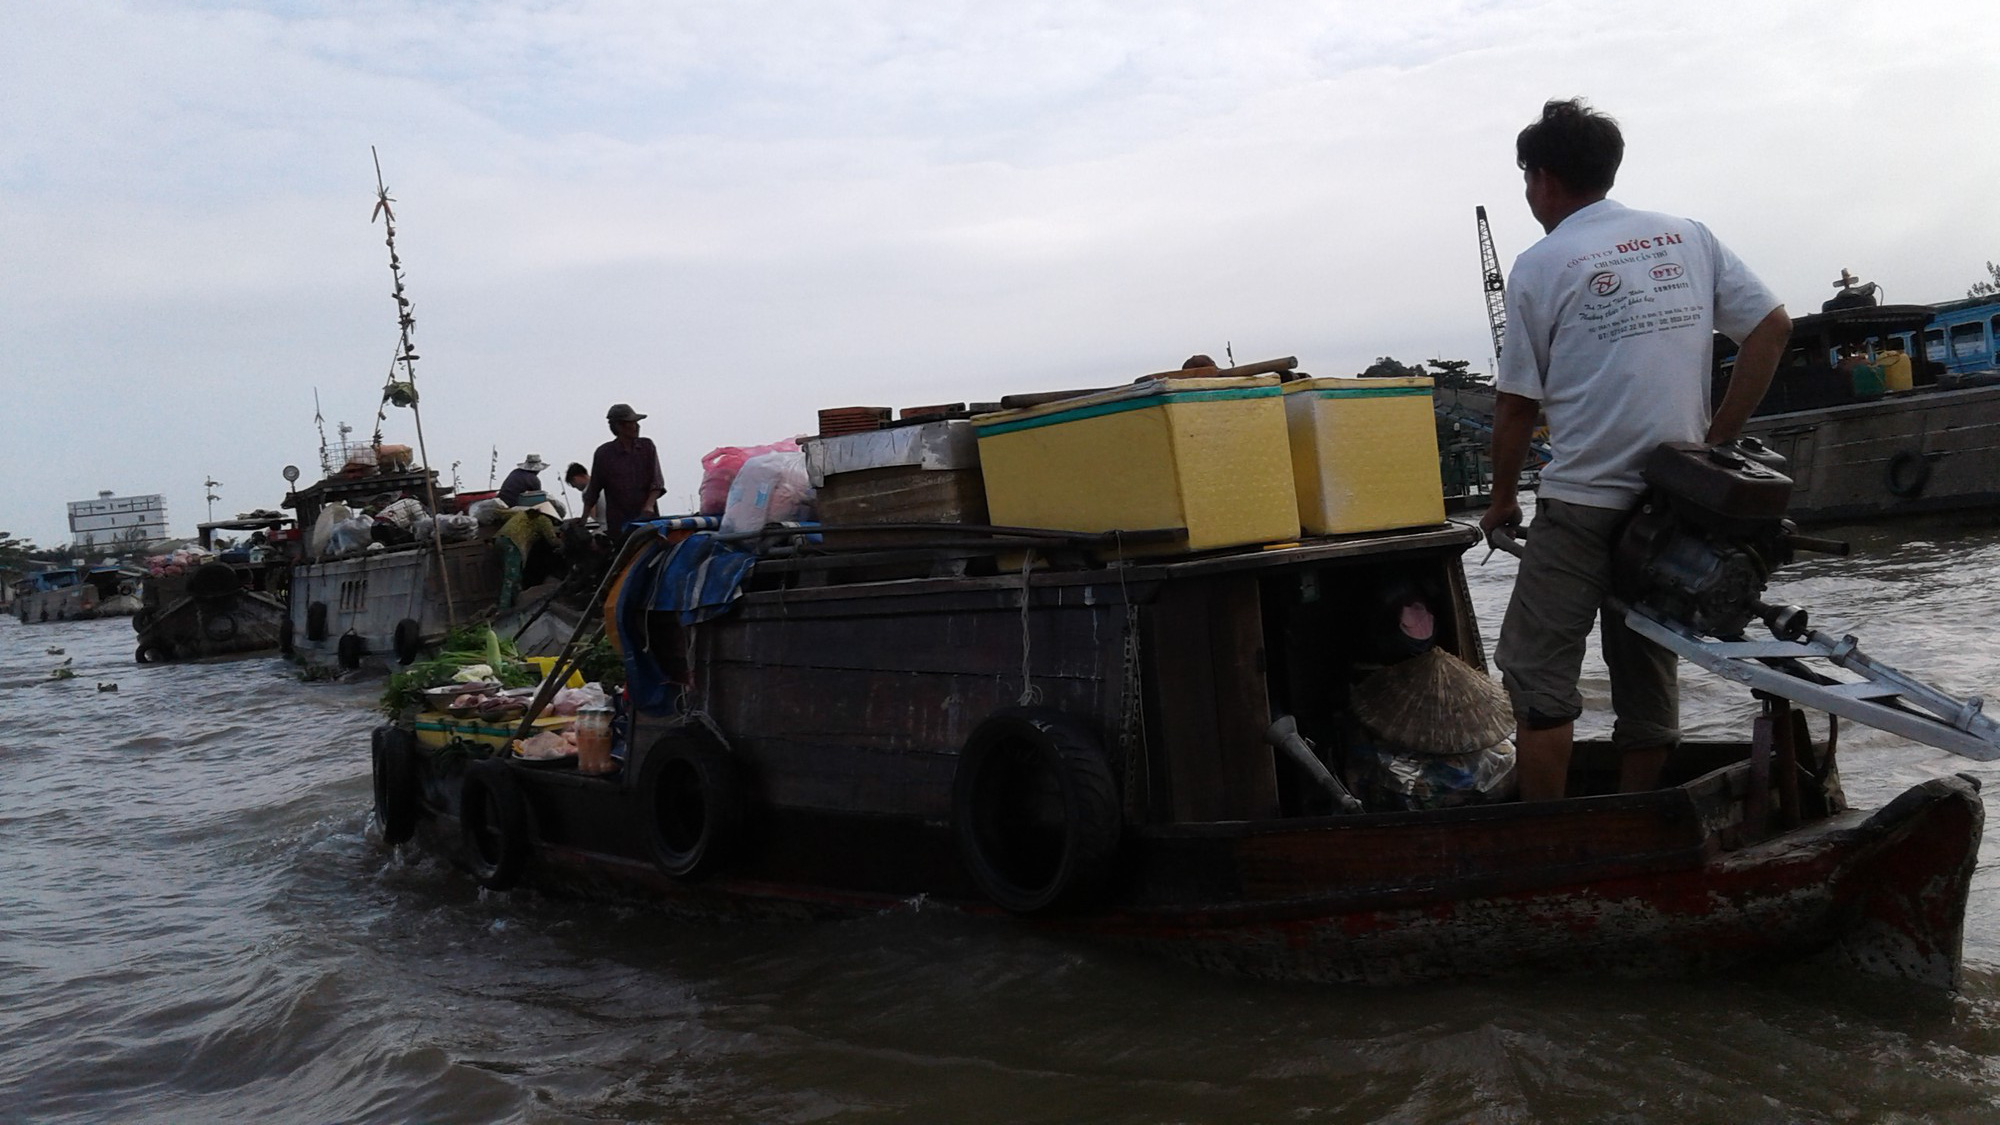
[[1206, 665], [862, 705]]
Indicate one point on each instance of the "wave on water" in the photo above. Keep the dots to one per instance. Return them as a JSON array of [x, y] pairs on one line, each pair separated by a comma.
[[199, 921]]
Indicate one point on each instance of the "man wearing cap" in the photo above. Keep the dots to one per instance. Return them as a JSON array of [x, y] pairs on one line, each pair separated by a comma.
[[625, 471], [526, 477]]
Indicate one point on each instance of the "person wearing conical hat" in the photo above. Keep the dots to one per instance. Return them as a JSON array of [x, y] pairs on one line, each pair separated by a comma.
[[528, 545]]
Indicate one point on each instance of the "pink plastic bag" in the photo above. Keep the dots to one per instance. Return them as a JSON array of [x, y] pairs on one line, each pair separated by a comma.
[[719, 469]]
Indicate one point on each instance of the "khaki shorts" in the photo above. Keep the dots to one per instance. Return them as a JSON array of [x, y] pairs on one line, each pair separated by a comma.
[[1564, 578]]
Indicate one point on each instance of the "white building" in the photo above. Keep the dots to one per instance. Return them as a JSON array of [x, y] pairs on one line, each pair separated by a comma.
[[130, 522]]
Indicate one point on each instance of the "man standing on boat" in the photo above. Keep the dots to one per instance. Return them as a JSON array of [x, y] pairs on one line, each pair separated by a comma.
[[1609, 327], [625, 472]]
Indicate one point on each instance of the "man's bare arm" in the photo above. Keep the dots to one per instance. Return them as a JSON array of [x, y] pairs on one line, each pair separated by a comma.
[[1513, 424], [1756, 362]]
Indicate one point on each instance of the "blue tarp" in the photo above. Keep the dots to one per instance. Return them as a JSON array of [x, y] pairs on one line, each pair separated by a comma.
[[696, 579]]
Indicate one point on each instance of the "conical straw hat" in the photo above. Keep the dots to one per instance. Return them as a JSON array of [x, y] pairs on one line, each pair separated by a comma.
[[1434, 703]]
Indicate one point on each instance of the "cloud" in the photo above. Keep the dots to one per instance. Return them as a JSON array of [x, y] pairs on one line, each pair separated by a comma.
[[735, 214]]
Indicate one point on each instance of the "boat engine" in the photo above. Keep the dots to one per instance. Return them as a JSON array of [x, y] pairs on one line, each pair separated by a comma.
[[1692, 563], [1705, 538]]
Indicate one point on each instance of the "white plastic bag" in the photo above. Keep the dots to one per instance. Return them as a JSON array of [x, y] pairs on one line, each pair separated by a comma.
[[350, 536], [452, 527], [489, 512], [403, 513], [570, 700], [770, 488], [330, 517], [1386, 779]]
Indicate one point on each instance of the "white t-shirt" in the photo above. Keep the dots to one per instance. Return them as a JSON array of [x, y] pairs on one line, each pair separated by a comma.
[[1609, 324]]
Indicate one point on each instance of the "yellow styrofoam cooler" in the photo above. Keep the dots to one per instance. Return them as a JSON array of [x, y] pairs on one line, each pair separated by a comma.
[[1364, 454], [1205, 455]]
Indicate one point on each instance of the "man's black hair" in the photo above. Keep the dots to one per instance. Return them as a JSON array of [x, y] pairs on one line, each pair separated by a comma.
[[1574, 143], [575, 468]]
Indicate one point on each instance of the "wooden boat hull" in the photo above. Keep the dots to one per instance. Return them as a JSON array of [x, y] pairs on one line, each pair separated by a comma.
[[865, 746], [76, 603], [1623, 885], [1926, 452], [1881, 893], [190, 628]]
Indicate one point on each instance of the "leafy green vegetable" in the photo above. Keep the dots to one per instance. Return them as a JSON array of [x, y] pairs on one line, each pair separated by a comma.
[[600, 664], [475, 644]]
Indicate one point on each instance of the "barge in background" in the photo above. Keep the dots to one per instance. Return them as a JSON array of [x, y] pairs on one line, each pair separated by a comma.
[[1922, 438], [232, 605], [1089, 746], [388, 602], [76, 593]]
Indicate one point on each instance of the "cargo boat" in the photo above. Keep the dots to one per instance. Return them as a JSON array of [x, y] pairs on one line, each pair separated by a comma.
[[1085, 746], [232, 605], [387, 603], [76, 593], [1925, 443]]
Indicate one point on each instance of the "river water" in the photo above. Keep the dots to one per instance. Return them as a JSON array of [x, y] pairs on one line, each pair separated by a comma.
[[197, 923]]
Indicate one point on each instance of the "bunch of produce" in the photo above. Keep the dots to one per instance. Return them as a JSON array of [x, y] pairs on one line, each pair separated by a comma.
[[473, 655]]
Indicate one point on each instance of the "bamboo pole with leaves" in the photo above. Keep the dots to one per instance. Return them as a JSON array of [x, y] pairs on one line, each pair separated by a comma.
[[403, 392]]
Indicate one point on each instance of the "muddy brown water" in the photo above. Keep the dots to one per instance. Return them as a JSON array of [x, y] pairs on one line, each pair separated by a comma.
[[197, 923]]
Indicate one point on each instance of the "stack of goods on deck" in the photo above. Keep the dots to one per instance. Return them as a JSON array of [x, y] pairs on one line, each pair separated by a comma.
[[388, 520], [1201, 458], [922, 469], [475, 692], [178, 561], [1229, 456]]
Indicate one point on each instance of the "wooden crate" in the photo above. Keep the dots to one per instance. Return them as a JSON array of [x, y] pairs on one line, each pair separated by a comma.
[[899, 494]]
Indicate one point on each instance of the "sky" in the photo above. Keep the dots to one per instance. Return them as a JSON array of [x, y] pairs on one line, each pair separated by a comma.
[[733, 214]]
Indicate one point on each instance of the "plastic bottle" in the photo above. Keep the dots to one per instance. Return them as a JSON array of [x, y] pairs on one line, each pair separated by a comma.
[[593, 740]]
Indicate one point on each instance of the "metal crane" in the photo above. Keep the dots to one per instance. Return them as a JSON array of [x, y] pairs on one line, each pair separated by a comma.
[[1496, 285]]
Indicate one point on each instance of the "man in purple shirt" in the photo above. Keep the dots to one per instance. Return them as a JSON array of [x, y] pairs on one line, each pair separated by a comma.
[[625, 471]]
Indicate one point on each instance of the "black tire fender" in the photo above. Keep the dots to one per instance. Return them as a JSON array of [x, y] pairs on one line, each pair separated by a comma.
[[219, 627], [316, 621], [493, 824], [1035, 811], [394, 770], [350, 650], [286, 644], [213, 580], [1907, 473], [409, 640], [144, 654], [691, 804]]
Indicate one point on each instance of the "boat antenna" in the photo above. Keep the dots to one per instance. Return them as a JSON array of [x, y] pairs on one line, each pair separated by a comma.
[[320, 421], [493, 468], [403, 391]]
